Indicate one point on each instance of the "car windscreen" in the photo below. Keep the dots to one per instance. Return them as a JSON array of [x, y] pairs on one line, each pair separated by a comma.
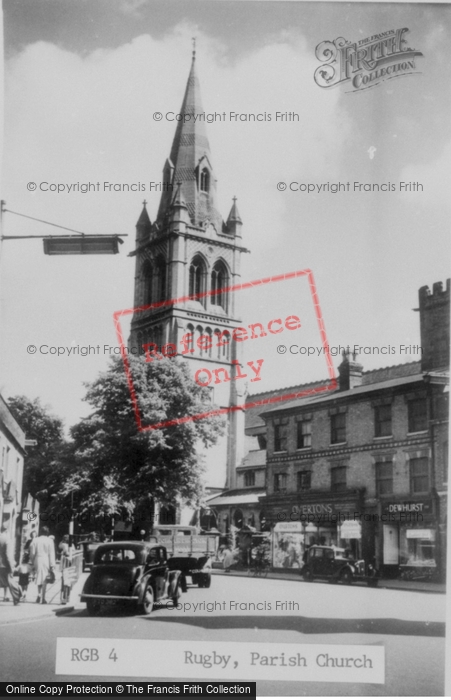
[[116, 555]]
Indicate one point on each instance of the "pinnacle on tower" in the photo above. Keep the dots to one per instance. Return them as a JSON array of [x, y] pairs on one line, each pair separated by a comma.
[[234, 216], [143, 225]]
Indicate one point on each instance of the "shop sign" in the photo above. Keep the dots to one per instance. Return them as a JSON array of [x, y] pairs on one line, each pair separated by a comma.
[[351, 530], [412, 507], [289, 527], [324, 508], [420, 534]]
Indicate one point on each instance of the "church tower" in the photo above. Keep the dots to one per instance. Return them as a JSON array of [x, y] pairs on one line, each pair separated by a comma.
[[186, 251]]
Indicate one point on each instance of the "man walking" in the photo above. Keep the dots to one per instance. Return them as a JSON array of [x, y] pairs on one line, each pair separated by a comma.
[[7, 565]]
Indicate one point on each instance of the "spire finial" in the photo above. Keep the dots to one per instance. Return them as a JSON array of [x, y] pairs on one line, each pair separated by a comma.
[[234, 200], [194, 47], [144, 203]]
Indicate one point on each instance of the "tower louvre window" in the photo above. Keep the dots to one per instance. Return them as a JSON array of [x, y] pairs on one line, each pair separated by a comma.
[[219, 280], [148, 278], [197, 278], [204, 180], [160, 280]]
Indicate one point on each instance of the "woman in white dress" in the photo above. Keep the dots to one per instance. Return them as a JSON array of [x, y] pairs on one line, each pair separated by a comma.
[[42, 556]]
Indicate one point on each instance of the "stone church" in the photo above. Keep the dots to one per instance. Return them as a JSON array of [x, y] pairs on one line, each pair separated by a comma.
[[189, 250]]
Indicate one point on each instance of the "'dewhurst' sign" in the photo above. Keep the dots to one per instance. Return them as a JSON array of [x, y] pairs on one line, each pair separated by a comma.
[[365, 63]]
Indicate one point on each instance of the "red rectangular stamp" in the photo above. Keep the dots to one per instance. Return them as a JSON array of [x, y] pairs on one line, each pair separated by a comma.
[[223, 349]]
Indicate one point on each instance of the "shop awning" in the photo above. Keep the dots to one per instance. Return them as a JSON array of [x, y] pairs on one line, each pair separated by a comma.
[[239, 499]]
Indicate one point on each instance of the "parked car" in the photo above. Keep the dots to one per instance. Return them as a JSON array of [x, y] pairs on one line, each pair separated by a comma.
[[134, 572], [337, 564]]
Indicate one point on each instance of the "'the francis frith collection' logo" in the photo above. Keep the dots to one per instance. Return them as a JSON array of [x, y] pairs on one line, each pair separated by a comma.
[[365, 63]]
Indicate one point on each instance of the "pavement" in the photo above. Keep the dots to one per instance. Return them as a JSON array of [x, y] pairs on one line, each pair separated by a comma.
[[393, 584], [30, 610]]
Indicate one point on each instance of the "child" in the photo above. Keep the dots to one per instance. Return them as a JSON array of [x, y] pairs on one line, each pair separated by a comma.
[[24, 575]]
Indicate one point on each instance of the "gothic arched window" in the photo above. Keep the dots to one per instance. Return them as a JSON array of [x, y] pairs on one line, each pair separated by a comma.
[[147, 274], [219, 280], [197, 277], [160, 280], [204, 180]]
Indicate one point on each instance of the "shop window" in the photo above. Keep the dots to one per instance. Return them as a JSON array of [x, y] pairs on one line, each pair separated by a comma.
[[417, 547], [280, 483], [419, 475], [384, 478], [338, 428], [304, 434], [249, 478], [383, 421], [338, 479], [280, 434], [304, 481], [417, 412]]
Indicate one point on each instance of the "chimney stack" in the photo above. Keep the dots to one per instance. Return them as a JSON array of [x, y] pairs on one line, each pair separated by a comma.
[[350, 371]]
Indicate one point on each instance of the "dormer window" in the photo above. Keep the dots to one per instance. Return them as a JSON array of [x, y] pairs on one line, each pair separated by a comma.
[[204, 180]]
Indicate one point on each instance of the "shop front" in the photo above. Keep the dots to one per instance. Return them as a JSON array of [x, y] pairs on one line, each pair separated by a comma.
[[333, 520], [409, 538]]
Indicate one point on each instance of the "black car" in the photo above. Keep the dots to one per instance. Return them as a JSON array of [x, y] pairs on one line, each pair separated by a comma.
[[133, 572], [337, 564]]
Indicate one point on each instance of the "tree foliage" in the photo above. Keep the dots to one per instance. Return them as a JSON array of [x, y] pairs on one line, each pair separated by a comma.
[[120, 470], [46, 464]]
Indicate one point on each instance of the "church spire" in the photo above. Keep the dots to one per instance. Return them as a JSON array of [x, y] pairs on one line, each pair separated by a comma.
[[190, 161]]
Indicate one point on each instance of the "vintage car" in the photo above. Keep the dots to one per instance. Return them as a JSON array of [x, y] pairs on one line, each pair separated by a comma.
[[134, 572], [336, 564]]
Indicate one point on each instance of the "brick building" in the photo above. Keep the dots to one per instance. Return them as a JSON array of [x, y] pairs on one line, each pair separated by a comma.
[[366, 466]]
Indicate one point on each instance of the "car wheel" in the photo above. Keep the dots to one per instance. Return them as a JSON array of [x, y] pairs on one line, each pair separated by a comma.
[[207, 581], [93, 607], [148, 600], [346, 577], [307, 574]]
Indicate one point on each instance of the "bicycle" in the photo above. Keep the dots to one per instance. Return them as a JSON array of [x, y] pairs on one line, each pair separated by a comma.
[[259, 567]]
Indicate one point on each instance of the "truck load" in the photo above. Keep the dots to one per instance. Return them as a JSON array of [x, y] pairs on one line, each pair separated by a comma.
[[188, 551]]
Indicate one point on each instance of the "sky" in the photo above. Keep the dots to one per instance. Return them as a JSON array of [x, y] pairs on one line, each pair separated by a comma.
[[82, 81]]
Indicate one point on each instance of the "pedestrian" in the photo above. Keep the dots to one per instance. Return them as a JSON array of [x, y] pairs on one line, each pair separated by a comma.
[[65, 551], [7, 565], [27, 547], [24, 575], [229, 559], [42, 554]]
